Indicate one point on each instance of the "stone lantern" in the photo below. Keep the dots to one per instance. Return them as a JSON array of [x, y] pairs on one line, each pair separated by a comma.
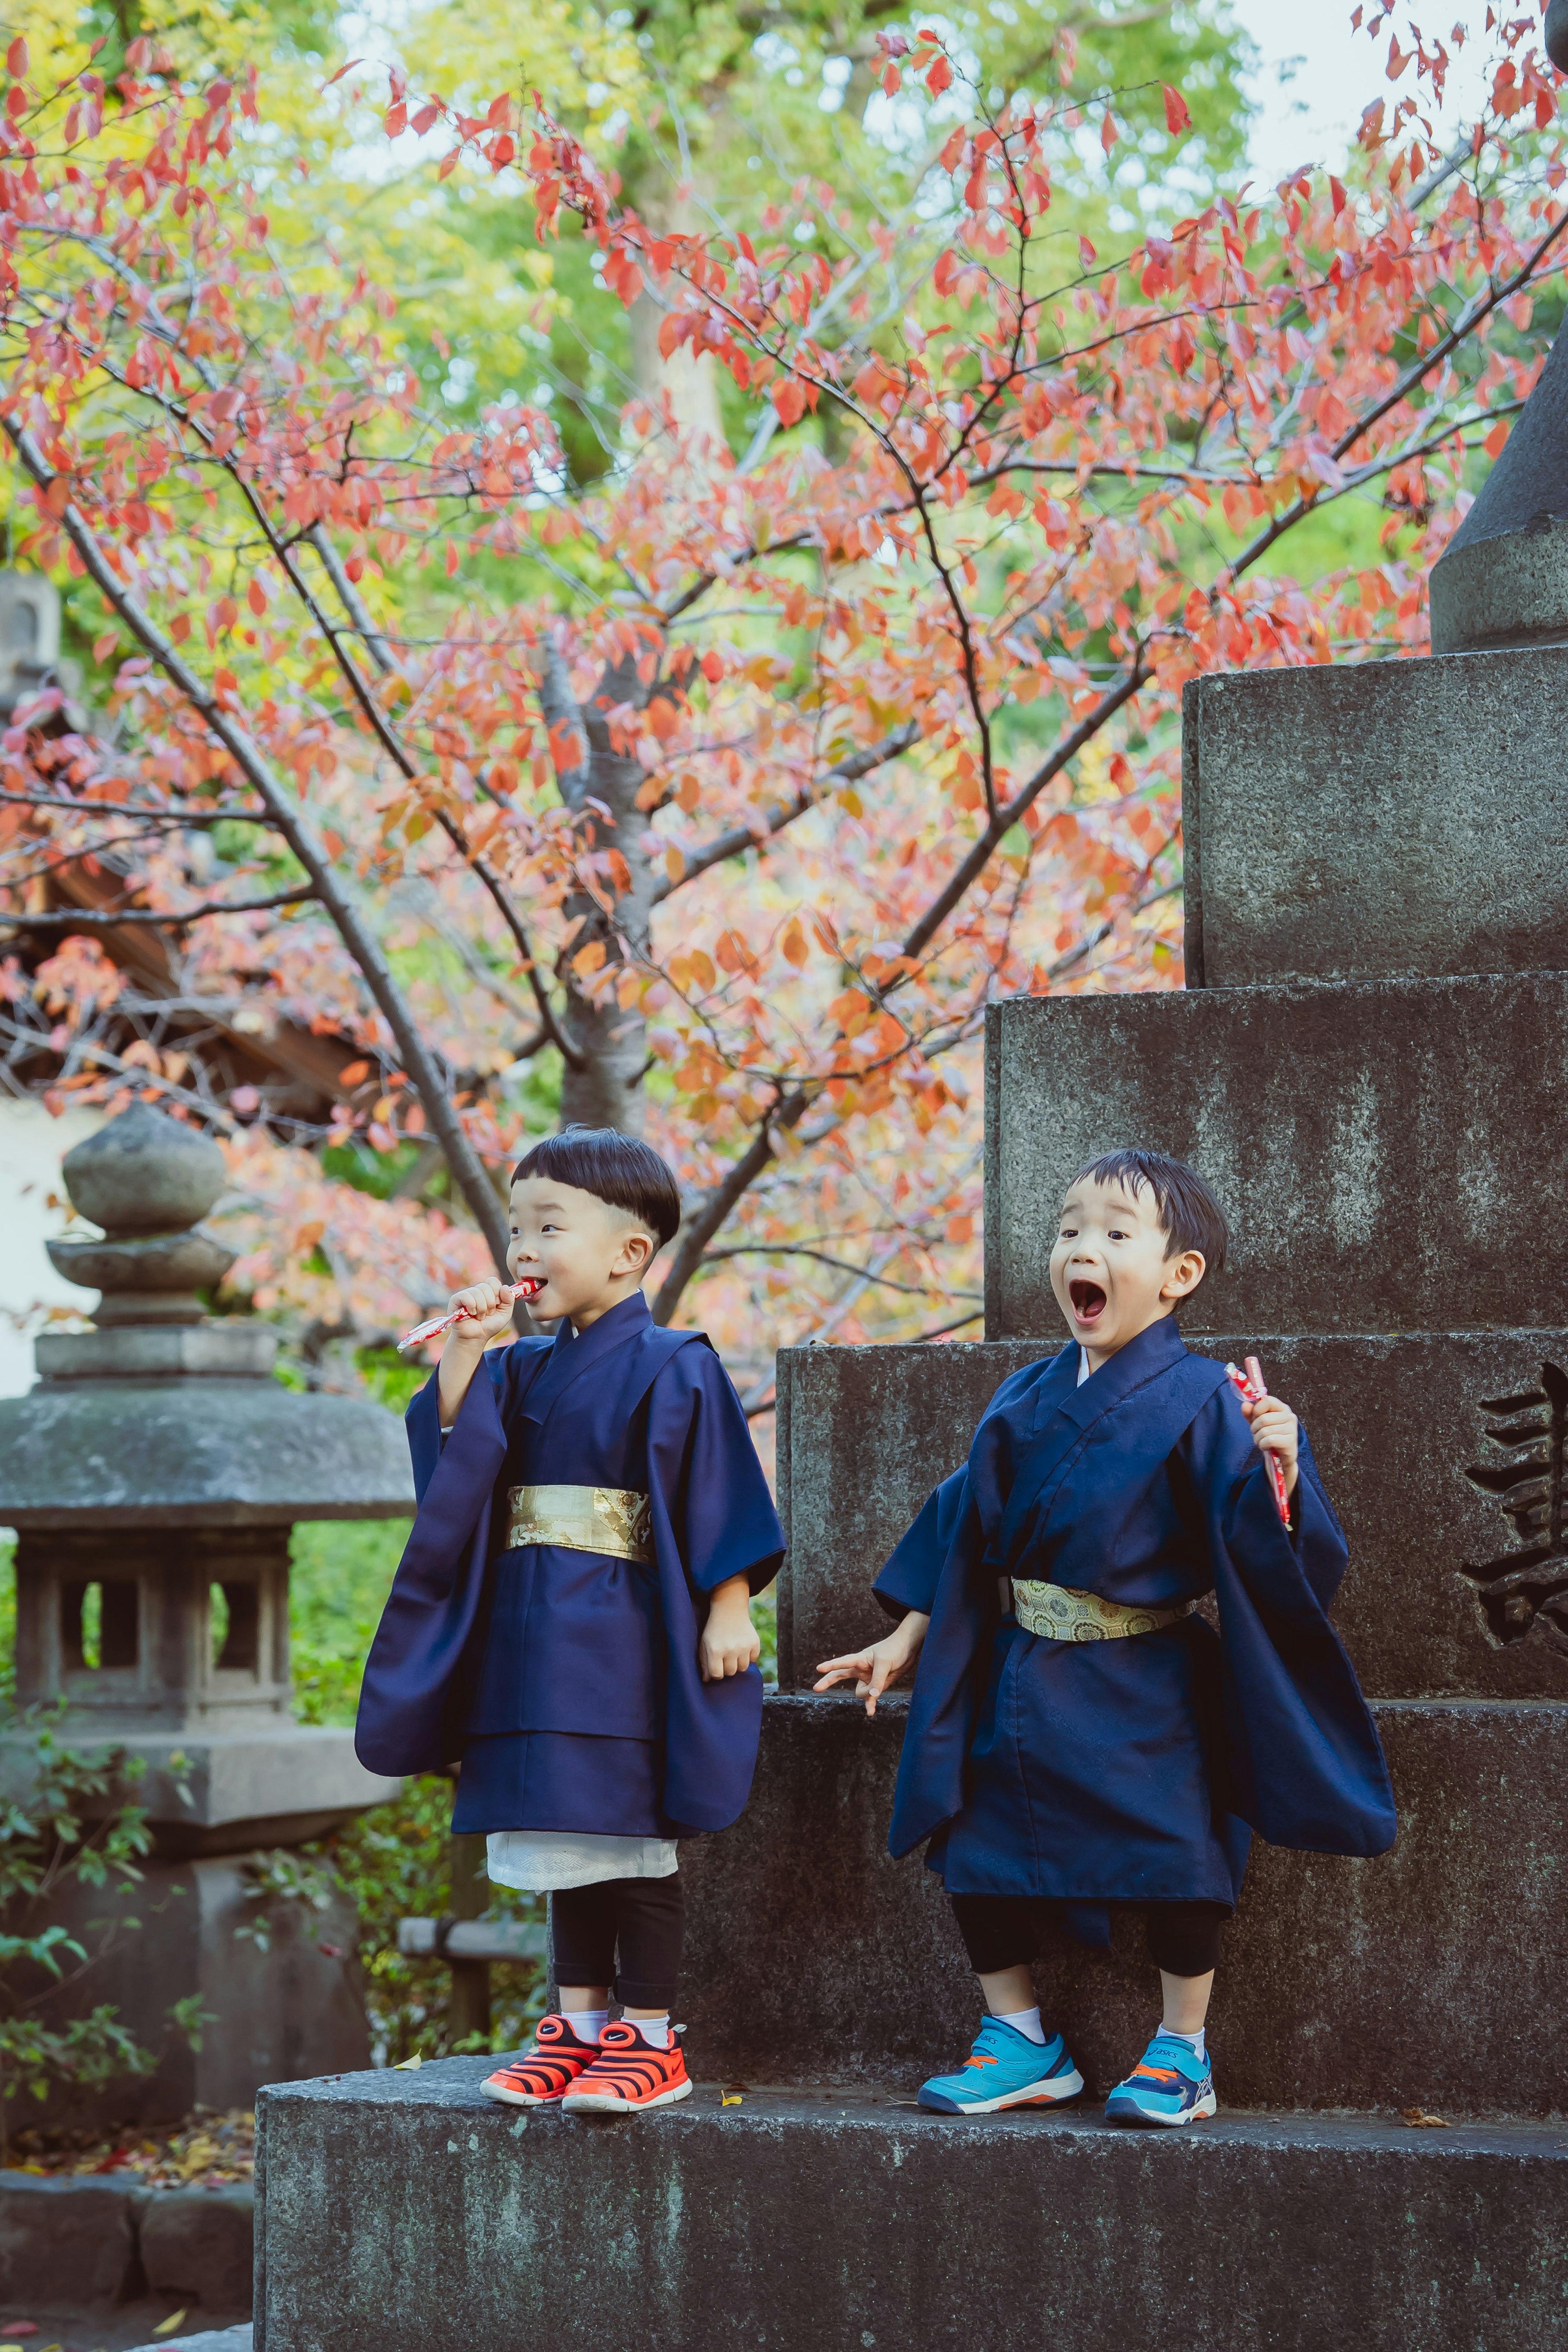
[[153, 1476]]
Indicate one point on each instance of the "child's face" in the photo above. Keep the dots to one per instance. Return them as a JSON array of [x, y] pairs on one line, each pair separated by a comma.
[[591, 1253], [1109, 1268]]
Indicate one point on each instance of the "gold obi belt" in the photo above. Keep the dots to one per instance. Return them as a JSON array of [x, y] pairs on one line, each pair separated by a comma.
[[609, 1520], [1060, 1614]]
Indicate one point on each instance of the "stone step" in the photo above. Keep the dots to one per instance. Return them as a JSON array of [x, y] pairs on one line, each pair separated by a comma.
[[1387, 1152], [403, 2210], [1404, 1426], [1358, 823], [1435, 1976]]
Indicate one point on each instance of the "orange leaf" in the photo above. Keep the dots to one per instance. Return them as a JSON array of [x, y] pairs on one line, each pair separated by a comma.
[[940, 76], [354, 1074], [588, 959], [256, 597], [1495, 441], [794, 944]]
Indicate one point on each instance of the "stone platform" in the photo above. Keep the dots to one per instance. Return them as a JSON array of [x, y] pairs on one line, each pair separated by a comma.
[[402, 2212], [810, 1950]]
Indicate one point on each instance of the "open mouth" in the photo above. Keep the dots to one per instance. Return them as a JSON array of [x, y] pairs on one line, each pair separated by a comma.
[[528, 1285], [1088, 1301]]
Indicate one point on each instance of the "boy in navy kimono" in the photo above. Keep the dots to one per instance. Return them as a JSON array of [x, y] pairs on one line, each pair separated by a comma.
[[1078, 1737], [571, 1616]]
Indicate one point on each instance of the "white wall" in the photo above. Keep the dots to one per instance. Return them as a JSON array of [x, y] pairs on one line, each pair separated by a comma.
[[32, 1146]]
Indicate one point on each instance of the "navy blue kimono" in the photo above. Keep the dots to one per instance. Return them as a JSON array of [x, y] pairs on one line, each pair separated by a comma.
[[1129, 1770], [567, 1682]]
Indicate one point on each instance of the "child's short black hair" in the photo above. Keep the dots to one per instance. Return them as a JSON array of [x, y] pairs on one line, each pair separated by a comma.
[[619, 1169], [1190, 1216]]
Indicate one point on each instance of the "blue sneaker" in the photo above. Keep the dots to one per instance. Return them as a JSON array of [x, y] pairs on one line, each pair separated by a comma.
[[1004, 2069], [1170, 2084]]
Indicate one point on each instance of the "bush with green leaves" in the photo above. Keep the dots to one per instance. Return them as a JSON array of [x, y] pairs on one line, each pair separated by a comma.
[[73, 1828]]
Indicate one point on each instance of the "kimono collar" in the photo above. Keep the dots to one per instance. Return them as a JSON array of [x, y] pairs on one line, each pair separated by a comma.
[[1151, 1353], [573, 1352]]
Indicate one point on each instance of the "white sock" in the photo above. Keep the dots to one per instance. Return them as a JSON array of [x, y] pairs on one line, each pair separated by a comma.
[[655, 2031], [1194, 2041], [587, 2024], [1027, 2022]]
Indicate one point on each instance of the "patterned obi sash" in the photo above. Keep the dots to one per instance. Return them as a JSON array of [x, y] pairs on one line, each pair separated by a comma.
[[1060, 1614], [607, 1519]]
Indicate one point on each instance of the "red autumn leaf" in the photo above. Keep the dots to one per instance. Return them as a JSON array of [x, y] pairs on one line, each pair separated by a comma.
[[256, 597], [451, 559], [396, 118], [1496, 440], [1177, 119], [939, 78], [341, 71], [1109, 133], [16, 58], [1337, 195], [789, 399]]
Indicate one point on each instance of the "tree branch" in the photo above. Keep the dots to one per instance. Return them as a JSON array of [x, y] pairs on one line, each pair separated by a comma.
[[467, 1168], [741, 837], [80, 920]]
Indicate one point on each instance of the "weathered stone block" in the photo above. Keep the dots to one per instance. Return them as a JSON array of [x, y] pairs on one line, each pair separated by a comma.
[[1388, 1153], [197, 2245], [403, 2211], [864, 1435], [1446, 1594], [63, 2240], [1380, 819], [1433, 1976]]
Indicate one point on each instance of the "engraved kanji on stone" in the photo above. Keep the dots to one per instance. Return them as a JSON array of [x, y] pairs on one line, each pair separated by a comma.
[[1523, 1594]]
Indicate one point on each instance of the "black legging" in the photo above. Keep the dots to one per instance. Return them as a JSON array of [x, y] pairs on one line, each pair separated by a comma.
[[643, 1918], [1004, 1931]]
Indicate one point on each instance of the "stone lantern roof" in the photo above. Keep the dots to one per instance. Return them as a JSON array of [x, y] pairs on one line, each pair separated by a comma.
[[162, 1416]]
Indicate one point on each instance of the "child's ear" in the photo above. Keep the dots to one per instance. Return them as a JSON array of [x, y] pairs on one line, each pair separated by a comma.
[[637, 1252], [1183, 1275]]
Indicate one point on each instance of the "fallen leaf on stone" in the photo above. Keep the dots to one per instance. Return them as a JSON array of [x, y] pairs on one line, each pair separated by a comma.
[[726, 2099], [404, 2065], [1419, 2120], [167, 2327]]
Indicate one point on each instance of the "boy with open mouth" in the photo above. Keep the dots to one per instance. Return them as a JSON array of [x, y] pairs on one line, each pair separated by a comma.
[[1078, 1738]]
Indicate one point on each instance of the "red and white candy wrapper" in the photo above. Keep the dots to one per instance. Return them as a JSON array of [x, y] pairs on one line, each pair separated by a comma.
[[1250, 1384], [529, 1287]]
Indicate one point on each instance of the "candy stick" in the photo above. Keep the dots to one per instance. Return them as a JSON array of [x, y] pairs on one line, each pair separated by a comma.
[[1251, 1385], [528, 1288]]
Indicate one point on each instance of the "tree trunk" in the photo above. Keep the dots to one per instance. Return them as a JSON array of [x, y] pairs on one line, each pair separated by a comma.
[[602, 1083]]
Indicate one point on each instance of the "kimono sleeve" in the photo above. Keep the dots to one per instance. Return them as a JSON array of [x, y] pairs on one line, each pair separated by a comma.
[[1305, 1767], [413, 1700], [699, 1447], [908, 1581], [713, 1519]]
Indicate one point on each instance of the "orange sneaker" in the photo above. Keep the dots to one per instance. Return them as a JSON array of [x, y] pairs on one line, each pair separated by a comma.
[[543, 2073], [628, 2077]]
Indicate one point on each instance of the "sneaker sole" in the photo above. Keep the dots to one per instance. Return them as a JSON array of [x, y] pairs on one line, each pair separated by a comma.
[[520, 2098], [1199, 2113], [601, 2103], [1060, 2088]]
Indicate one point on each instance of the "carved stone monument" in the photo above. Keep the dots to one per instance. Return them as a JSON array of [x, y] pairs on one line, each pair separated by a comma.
[[1370, 1061], [153, 1476]]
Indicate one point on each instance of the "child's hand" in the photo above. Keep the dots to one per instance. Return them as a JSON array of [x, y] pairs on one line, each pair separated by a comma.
[[487, 1313], [730, 1642], [1276, 1430], [882, 1663]]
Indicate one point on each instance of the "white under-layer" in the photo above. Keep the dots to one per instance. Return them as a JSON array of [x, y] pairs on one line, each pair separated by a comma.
[[544, 1861]]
